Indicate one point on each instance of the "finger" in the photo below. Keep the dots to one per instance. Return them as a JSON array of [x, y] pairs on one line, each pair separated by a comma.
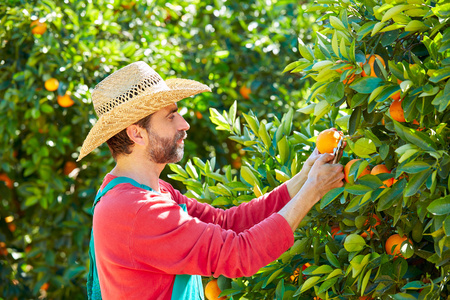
[[325, 158], [316, 151]]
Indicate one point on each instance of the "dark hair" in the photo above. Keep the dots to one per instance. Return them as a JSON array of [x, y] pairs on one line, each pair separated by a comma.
[[121, 142]]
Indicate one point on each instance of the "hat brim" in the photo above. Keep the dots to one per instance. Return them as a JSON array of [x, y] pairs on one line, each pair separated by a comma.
[[128, 113]]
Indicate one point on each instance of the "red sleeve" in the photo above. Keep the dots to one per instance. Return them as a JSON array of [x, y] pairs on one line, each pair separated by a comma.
[[166, 239], [237, 218]]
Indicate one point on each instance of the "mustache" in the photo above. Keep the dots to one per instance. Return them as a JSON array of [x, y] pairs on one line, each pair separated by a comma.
[[180, 135]]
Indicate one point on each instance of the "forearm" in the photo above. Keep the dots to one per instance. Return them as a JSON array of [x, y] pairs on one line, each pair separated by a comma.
[[296, 209], [295, 184]]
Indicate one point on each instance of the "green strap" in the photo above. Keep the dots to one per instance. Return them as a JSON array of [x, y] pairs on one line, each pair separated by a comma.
[[185, 287]]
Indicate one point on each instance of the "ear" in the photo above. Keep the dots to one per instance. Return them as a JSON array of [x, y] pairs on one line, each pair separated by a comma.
[[137, 134]]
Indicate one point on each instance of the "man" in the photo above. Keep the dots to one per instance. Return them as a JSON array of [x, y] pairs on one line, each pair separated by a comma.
[[151, 242]]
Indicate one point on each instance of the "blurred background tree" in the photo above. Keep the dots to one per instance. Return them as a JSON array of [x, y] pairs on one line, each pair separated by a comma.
[[52, 55]]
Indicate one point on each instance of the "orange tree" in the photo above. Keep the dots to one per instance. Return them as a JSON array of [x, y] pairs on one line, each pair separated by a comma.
[[53, 54], [367, 56]]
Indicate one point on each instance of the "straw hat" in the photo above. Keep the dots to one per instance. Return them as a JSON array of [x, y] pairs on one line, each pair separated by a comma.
[[130, 94]]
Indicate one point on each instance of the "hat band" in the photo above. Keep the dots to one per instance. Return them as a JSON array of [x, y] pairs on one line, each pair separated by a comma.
[[153, 82]]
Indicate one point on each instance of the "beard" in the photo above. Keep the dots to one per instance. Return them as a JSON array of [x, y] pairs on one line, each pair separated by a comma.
[[165, 150]]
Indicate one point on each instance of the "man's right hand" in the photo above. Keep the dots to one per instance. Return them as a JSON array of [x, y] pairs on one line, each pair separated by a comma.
[[325, 176], [322, 178]]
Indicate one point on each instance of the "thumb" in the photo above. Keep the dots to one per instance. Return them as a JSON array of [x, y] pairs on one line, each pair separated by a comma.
[[325, 158]]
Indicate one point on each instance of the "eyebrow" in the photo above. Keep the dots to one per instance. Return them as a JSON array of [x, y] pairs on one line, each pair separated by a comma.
[[174, 110]]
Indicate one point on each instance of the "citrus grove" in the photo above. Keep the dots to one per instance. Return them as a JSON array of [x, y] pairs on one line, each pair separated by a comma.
[[376, 70], [55, 52]]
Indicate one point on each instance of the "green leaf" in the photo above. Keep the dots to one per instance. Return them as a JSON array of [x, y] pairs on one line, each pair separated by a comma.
[[252, 122], [365, 281], [354, 121], [323, 269], [440, 75], [292, 66], [440, 206], [334, 91], [388, 199], [309, 283], [414, 167], [326, 285], [447, 225], [416, 25], [281, 176], [264, 135], [330, 196], [331, 258], [363, 147], [306, 52], [354, 243], [283, 149], [248, 176], [366, 85], [358, 189], [416, 181], [179, 170], [414, 137]]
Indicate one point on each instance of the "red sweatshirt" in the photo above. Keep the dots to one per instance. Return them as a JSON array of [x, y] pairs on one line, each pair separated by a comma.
[[142, 239]]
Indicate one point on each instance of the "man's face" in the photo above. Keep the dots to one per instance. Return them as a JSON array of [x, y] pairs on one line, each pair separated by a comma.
[[166, 134]]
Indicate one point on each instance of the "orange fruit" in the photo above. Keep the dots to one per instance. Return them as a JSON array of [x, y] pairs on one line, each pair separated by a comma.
[[378, 222], [12, 227], [3, 250], [45, 286], [378, 169], [396, 96], [38, 27], [245, 92], [9, 183], [69, 166], [198, 115], [51, 84], [370, 59], [349, 165], [349, 78], [65, 101], [212, 291], [295, 274], [395, 240], [365, 298], [336, 230], [327, 140], [396, 111]]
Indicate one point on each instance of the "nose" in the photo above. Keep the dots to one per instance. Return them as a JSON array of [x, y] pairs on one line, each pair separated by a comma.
[[184, 125]]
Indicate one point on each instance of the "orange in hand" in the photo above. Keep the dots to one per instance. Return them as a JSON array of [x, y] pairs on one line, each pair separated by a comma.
[[327, 140], [212, 291], [347, 167], [378, 169]]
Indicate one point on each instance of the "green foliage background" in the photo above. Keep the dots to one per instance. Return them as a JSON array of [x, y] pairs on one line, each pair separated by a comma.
[[246, 146], [224, 44]]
